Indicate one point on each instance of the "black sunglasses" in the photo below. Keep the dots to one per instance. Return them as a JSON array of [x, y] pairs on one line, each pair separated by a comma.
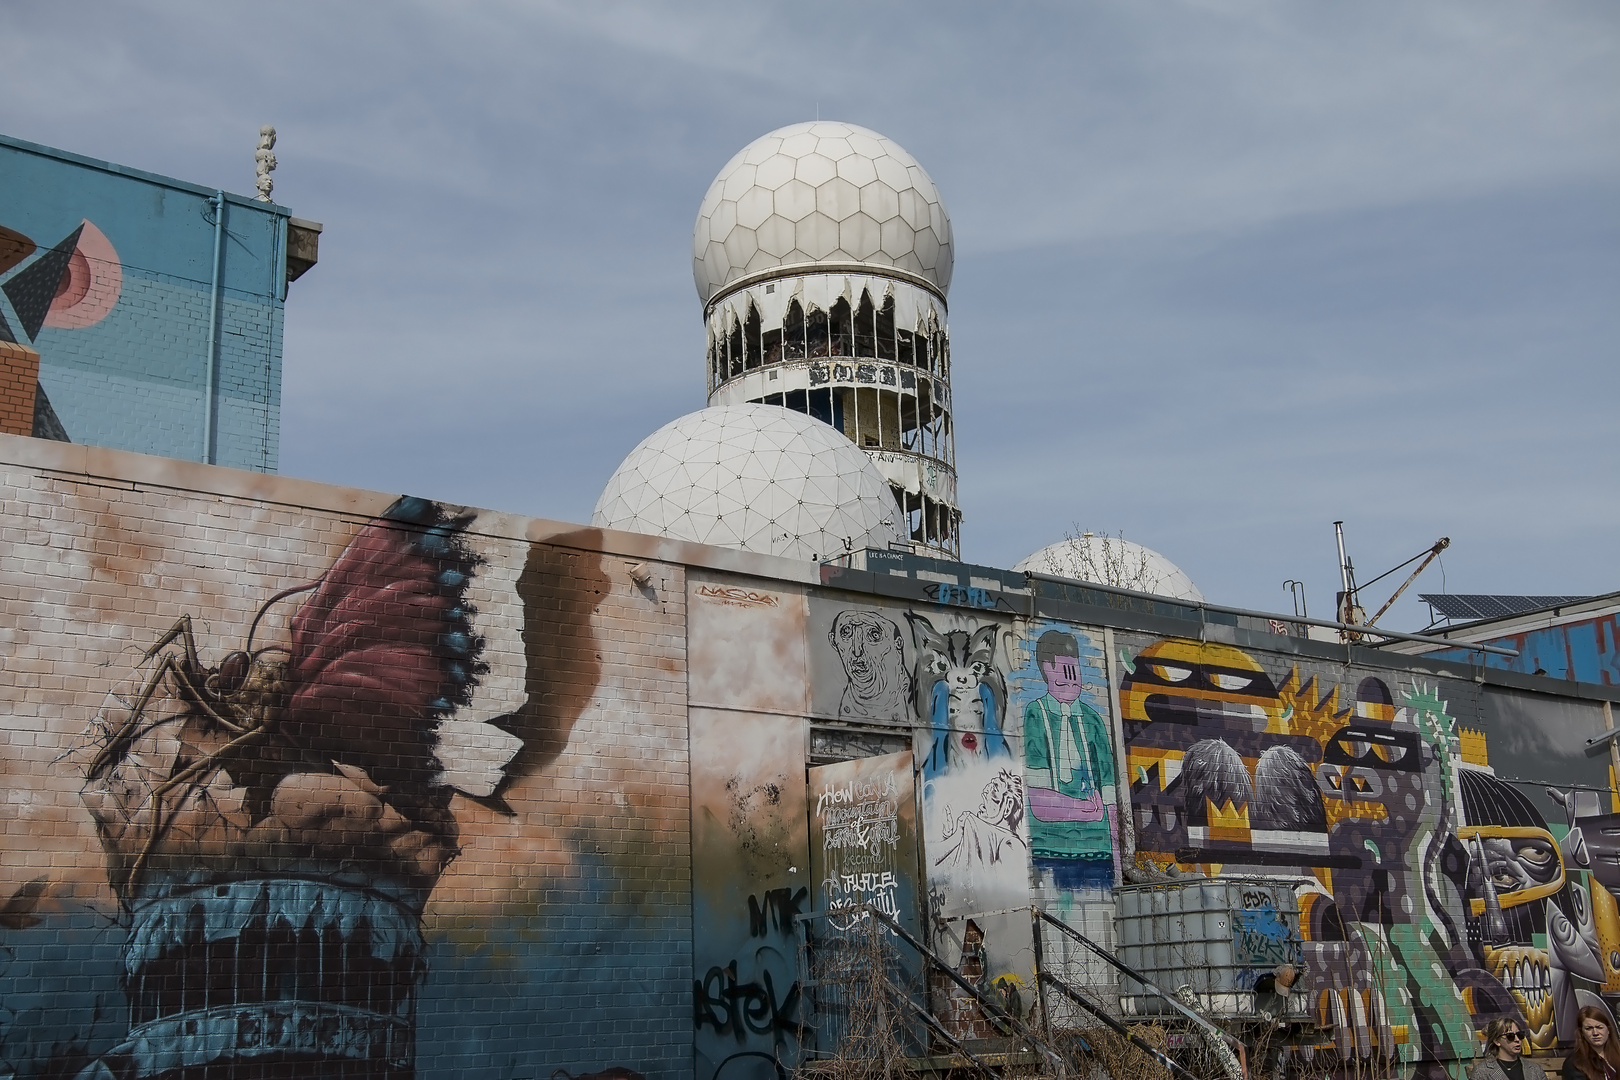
[[1516, 1036]]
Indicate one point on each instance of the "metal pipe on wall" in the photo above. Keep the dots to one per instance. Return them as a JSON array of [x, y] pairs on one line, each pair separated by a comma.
[[212, 376]]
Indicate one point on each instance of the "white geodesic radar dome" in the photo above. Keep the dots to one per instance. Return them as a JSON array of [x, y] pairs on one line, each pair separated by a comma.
[[1113, 560], [822, 192], [757, 477]]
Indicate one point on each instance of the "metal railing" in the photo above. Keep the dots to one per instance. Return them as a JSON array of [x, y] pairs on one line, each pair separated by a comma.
[[1217, 1039], [843, 970], [858, 959]]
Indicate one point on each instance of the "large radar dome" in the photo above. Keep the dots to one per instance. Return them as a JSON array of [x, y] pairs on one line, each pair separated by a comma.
[[757, 477], [1113, 560], [821, 192]]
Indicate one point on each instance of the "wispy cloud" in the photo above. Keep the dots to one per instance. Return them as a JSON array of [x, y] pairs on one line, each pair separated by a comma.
[[1226, 270]]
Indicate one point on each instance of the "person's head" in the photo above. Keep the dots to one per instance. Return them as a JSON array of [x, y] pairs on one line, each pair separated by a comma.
[[1505, 1038], [1002, 800], [1597, 1030], [1058, 656], [1595, 1043]]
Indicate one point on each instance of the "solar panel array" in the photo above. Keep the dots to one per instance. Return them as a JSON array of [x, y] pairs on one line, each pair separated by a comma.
[[1472, 606]]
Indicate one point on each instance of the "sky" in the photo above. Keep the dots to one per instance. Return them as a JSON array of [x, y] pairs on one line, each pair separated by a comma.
[[1226, 272]]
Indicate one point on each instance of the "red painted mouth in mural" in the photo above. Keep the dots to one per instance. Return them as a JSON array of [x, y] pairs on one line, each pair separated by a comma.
[[970, 742]]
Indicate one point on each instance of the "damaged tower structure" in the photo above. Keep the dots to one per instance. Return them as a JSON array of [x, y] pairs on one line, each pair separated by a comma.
[[822, 255]]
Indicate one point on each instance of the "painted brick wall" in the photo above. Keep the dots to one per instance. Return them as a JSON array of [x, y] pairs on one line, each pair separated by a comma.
[[124, 345], [534, 864], [150, 396], [19, 376], [559, 933]]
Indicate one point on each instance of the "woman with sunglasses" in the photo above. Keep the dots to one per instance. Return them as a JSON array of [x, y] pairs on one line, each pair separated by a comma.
[[1597, 1051], [1503, 1060]]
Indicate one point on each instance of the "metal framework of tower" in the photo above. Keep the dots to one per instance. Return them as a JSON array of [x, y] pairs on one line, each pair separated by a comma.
[[861, 347]]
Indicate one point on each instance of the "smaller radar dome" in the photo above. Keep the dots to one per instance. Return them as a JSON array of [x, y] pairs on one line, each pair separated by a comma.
[[1113, 560], [757, 477], [821, 192]]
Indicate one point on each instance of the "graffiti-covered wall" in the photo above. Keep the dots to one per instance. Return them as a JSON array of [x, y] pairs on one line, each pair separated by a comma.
[[304, 778], [110, 273], [1449, 835]]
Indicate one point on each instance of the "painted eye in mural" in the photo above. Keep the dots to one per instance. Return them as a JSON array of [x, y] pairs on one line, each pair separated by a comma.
[[1170, 673], [1360, 784], [874, 634], [1356, 748], [938, 665], [846, 630], [1388, 753], [232, 673], [1336, 780], [1229, 682], [1506, 881], [1534, 853], [979, 668]]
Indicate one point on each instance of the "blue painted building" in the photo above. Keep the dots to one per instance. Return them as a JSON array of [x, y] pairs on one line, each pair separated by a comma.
[[155, 305], [1578, 640]]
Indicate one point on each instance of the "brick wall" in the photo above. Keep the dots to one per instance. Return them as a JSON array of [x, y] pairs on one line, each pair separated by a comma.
[[124, 349], [485, 841], [19, 378], [554, 907]]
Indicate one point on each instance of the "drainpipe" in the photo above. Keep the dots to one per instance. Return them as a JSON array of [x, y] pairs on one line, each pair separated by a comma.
[[218, 200]]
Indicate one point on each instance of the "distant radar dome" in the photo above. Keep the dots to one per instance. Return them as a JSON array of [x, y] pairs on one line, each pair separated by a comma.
[[822, 192], [1113, 560], [757, 477]]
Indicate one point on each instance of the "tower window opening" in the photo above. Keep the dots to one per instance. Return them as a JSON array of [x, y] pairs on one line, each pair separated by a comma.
[[819, 404], [865, 326], [734, 348], [885, 330], [816, 332], [772, 341], [906, 349], [875, 423], [845, 418], [751, 341], [914, 514], [841, 329], [793, 332], [931, 533]]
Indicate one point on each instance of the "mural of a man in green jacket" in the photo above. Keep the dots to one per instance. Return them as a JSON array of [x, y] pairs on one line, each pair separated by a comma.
[[1068, 771]]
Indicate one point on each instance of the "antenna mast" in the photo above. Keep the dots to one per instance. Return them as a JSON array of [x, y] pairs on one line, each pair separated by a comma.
[[1350, 610]]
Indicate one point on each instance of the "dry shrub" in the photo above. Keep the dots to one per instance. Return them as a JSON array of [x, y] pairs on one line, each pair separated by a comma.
[[1102, 1048]]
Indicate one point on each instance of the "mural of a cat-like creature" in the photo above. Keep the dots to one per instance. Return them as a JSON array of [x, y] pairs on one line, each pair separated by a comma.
[[959, 693]]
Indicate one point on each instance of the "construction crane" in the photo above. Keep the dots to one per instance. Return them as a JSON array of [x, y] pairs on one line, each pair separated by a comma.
[[1350, 610]]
